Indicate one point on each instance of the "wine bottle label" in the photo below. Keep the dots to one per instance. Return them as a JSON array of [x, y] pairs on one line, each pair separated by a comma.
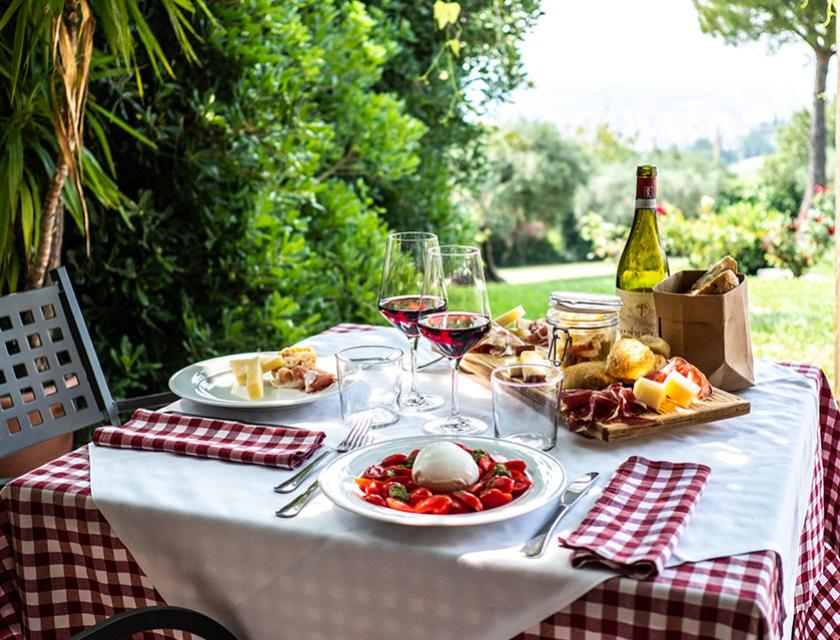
[[638, 314]]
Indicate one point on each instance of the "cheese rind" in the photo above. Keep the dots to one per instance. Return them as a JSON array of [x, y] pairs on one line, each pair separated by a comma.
[[649, 392], [509, 317], [680, 389]]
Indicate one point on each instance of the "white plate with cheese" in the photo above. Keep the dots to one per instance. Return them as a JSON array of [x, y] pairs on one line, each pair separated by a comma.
[[212, 382]]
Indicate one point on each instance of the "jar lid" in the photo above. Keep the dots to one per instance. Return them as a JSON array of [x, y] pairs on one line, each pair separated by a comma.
[[575, 302]]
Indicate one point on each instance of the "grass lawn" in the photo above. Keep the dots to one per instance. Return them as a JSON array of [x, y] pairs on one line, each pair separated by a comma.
[[789, 319]]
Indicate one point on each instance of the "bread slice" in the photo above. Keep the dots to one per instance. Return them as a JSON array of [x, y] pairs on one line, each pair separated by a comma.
[[724, 282], [727, 263]]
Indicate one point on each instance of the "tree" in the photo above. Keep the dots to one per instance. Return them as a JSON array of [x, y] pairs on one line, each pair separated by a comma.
[[782, 21], [530, 188], [48, 53]]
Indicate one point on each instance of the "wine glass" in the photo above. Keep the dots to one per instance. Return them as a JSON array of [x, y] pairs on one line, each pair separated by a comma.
[[400, 292], [456, 274]]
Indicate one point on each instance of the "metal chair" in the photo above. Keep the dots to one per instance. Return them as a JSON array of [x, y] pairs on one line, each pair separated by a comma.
[[127, 623], [51, 382]]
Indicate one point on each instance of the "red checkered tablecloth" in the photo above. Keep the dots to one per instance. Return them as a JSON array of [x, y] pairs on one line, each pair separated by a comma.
[[62, 569]]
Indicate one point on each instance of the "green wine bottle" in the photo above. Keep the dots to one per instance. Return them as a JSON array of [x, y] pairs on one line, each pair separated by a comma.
[[643, 263]]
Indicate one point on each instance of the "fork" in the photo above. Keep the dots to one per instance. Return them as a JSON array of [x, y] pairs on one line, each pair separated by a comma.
[[355, 439]]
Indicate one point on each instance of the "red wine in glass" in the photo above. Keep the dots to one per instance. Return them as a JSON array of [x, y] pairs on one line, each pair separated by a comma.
[[454, 333], [403, 311]]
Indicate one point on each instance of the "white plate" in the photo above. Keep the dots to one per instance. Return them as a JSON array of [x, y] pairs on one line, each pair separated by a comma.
[[212, 383], [338, 481]]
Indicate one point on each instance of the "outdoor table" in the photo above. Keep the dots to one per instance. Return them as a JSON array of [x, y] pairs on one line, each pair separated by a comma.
[[62, 568]]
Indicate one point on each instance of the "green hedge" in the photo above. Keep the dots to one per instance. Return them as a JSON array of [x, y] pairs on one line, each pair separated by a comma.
[[259, 215]]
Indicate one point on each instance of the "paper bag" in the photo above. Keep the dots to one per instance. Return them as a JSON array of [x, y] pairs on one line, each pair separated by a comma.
[[712, 332]]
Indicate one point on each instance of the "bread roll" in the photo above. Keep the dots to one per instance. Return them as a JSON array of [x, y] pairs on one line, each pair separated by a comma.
[[629, 359], [727, 263], [587, 375], [657, 345]]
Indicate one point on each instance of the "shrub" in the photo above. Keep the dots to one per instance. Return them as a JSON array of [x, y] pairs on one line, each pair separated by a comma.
[[799, 244], [253, 225], [737, 230]]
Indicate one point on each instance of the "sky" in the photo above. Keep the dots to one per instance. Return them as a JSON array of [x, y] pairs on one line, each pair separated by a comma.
[[644, 67]]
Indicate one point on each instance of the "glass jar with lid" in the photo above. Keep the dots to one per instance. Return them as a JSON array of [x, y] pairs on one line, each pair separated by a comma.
[[584, 326]]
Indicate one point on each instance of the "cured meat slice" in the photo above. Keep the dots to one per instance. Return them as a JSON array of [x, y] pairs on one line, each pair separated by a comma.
[[582, 408], [315, 380]]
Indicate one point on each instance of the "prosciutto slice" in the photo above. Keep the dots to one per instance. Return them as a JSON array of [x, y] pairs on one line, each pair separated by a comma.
[[539, 333], [582, 408], [501, 342], [681, 365]]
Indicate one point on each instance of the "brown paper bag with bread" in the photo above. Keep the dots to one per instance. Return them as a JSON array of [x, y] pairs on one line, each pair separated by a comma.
[[712, 331]]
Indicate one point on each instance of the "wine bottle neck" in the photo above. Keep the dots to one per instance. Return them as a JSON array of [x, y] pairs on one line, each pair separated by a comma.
[[646, 192]]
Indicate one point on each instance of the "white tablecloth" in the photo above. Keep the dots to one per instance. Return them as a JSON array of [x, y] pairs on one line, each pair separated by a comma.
[[205, 533]]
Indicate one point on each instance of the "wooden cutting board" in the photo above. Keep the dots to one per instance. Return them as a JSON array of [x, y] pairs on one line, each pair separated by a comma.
[[721, 405]]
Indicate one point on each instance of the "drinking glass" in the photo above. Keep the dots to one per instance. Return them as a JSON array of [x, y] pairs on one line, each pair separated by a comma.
[[455, 274], [524, 407], [400, 289], [369, 383]]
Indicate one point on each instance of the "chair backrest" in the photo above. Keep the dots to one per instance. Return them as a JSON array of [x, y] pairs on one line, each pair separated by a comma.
[[50, 379], [167, 618]]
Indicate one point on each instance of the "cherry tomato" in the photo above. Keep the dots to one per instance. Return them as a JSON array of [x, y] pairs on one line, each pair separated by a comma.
[[419, 494], [379, 501], [364, 484], [493, 498], [458, 507], [390, 461], [503, 484], [485, 463], [399, 505], [409, 460], [517, 465], [375, 472], [521, 485], [377, 487], [469, 499], [398, 472], [477, 488], [438, 505]]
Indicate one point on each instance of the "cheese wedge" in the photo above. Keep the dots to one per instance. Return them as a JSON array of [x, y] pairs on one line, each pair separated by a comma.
[[509, 317], [271, 362], [680, 389], [239, 369], [649, 392], [254, 379]]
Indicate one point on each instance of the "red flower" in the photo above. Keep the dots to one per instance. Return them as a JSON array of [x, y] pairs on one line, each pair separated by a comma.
[[831, 229], [661, 211], [820, 188]]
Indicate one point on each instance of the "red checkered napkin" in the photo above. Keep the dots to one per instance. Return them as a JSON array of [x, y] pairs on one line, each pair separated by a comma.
[[635, 524], [211, 438]]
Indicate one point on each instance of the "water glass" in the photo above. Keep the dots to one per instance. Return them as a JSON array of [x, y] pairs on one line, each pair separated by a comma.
[[523, 411], [369, 383]]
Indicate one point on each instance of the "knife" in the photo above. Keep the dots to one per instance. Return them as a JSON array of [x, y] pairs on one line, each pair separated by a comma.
[[536, 546]]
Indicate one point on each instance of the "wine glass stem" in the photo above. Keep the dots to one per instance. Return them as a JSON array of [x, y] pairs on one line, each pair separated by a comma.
[[455, 363], [412, 359]]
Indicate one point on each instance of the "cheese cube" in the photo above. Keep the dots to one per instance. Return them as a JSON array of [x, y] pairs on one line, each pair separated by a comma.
[[239, 369], [680, 389], [649, 392], [254, 380], [530, 373]]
